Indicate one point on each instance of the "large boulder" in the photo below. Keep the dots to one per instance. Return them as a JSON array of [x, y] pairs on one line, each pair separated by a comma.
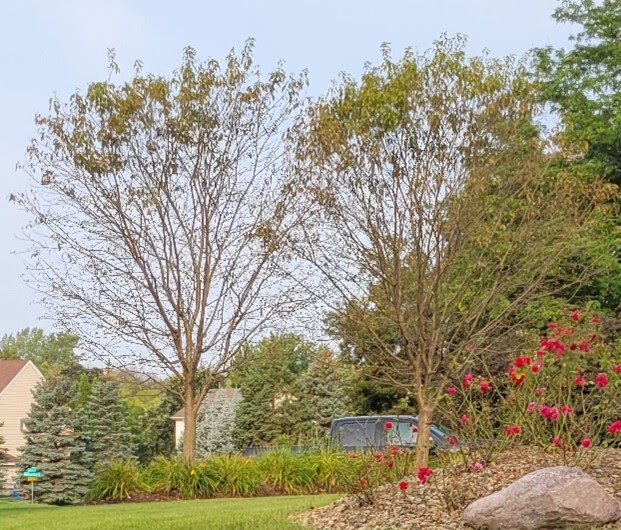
[[548, 498]]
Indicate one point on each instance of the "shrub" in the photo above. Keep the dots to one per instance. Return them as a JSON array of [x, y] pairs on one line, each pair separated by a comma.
[[116, 480], [288, 472], [171, 475], [232, 475], [334, 470]]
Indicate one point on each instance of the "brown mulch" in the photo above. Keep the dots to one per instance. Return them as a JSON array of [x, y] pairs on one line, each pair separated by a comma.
[[424, 507]]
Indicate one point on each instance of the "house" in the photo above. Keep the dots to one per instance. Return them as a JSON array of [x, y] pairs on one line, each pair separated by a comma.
[[18, 378], [215, 395]]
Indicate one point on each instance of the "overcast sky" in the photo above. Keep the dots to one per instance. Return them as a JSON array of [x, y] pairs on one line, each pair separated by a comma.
[[58, 46]]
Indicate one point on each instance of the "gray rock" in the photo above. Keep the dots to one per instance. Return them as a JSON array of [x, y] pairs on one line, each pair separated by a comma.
[[548, 498]]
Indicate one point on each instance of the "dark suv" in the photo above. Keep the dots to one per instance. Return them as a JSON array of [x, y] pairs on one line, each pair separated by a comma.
[[360, 433]]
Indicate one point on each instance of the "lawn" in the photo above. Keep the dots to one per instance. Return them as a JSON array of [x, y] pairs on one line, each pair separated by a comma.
[[261, 513]]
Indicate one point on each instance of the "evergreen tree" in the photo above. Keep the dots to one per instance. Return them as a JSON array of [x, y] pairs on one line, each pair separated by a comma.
[[54, 444], [214, 432], [105, 424], [324, 389], [2, 457]]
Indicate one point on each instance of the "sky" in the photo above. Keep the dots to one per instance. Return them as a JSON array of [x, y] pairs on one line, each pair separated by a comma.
[[55, 47]]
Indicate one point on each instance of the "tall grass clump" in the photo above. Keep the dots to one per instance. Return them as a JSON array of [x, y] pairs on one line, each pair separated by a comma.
[[116, 480], [287, 472], [232, 475]]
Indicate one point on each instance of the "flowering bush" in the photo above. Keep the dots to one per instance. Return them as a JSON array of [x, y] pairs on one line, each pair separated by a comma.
[[564, 395]]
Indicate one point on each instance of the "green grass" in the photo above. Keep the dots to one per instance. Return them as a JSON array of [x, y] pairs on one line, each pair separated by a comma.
[[260, 513]]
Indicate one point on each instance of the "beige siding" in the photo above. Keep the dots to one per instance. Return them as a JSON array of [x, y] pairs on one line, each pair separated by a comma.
[[15, 403]]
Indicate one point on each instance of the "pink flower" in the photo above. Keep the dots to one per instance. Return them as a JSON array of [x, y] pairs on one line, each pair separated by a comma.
[[575, 316], [531, 407], [451, 390], [614, 427], [452, 441], [565, 409], [540, 353], [581, 381], [557, 441], [467, 380], [388, 425], [595, 319], [601, 380], [586, 443], [463, 419], [617, 368], [394, 450], [484, 387], [549, 413], [477, 466], [403, 485], [584, 346], [540, 390], [423, 474]]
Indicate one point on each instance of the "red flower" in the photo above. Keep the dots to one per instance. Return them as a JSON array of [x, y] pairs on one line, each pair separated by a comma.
[[573, 346], [552, 325], [586, 443], [522, 361], [403, 485], [452, 441], [451, 389], [565, 409], [614, 427], [423, 474], [581, 381], [363, 483], [484, 386], [575, 316], [394, 450], [414, 429], [595, 319], [517, 379], [557, 441], [513, 430], [592, 336], [584, 346], [388, 425], [531, 407], [390, 464], [601, 380], [378, 456], [540, 353], [617, 368], [467, 380], [539, 390], [463, 419], [535, 368], [549, 413], [352, 456]]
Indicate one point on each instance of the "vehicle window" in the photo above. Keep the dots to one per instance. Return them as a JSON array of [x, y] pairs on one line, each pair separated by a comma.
[[356, 434], [401, 434]]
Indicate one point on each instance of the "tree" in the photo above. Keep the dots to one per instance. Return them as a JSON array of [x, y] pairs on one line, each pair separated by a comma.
[[2, 457], [161, 209], [437, 219], [324, 389], [216, 425], [54, 444], [268, 376], [50, 352], [105, 426]]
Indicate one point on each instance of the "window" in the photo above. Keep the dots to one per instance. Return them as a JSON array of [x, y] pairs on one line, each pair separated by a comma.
[[402, 434]]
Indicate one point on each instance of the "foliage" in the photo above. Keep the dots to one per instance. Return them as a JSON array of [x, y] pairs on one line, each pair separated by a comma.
[[104, 425], [268, 375], [54, 444], [2, 457], [160, 208], [432, 192], [214, 431], [234, 475], [50, 352], [323, 388], [116, 480], [288, 473], [563, 395]]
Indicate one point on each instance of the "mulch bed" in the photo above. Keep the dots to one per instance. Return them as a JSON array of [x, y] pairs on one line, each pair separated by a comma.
[[424, 507]]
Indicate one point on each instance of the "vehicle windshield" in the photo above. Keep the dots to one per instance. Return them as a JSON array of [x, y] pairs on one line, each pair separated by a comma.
[[402, 433]]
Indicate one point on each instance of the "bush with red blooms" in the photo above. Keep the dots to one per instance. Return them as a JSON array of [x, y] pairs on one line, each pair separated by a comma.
[[564, 394]]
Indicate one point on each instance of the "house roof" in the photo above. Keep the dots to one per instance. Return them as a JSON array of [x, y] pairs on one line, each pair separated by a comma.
[[227, 393], [9, 370]]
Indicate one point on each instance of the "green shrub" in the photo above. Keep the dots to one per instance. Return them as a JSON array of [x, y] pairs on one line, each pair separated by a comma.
[[116, 480], [335, 469], [232, 475], [288, 472], [171, 475]]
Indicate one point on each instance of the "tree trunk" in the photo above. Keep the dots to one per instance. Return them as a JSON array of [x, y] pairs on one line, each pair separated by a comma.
[[425, 412], [189, 433]]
